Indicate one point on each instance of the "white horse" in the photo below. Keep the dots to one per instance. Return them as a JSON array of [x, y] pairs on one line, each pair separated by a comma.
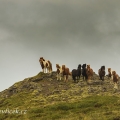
[[46, 65]]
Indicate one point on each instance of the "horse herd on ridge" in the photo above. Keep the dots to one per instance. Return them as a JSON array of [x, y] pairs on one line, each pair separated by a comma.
[[85, 70]]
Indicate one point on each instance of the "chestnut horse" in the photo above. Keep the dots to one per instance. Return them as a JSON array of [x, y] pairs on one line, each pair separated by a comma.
[[109, 73], [89, 72], [115, 79], [66, 73], [45, 64]]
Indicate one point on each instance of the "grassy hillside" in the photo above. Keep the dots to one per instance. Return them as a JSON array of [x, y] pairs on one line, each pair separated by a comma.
[[42, 97]]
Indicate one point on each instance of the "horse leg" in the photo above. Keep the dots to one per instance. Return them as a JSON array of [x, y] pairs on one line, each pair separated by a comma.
[[43, 70], [86, 77], [66, 78], [47, 70], [78, 78], [73, 77], [83, 77], [57, 76], [103, 78], [60, 76]]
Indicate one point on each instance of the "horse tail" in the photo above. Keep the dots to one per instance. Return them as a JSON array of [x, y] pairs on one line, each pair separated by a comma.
[[70, 73]]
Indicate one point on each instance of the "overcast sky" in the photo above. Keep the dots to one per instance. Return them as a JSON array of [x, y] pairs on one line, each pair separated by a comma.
[[69, 32]]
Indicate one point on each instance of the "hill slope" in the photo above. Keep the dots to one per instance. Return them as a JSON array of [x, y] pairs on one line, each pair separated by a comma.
[[42, 97]]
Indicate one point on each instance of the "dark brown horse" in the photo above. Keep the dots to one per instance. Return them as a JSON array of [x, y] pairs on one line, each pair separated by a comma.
[[101, 73], [84, 72], [76, 73]]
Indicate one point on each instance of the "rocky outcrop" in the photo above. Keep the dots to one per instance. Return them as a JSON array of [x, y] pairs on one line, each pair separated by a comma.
[[47, 84]]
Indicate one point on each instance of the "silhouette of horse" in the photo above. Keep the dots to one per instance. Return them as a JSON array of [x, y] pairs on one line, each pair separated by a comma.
[[84, 71], [76, 73], [101, 73]]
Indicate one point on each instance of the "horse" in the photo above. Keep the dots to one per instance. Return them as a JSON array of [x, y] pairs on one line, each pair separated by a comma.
[[109, 73], [66, 73], [59, 72], [45, 64], [84, 71], [115, 79], [76, 73], [89, 72], [101, 73]]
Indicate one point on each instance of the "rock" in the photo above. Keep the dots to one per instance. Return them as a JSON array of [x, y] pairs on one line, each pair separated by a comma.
[[37, 80]]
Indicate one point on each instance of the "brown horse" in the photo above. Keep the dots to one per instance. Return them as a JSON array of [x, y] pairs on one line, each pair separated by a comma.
[[115, 79], [66, 73], [89, 72], [109, 73], [45, 64]]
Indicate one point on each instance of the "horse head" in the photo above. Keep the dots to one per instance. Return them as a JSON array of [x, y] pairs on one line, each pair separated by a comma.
[[113, 72], [41, 59], [57, 66], [109, 69], [84, 66], [88, 67], [79, 66], [102, 68]]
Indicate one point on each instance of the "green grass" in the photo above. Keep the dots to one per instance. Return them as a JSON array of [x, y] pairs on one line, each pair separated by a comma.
[[66, 105], [98, 107], [89, 108]]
